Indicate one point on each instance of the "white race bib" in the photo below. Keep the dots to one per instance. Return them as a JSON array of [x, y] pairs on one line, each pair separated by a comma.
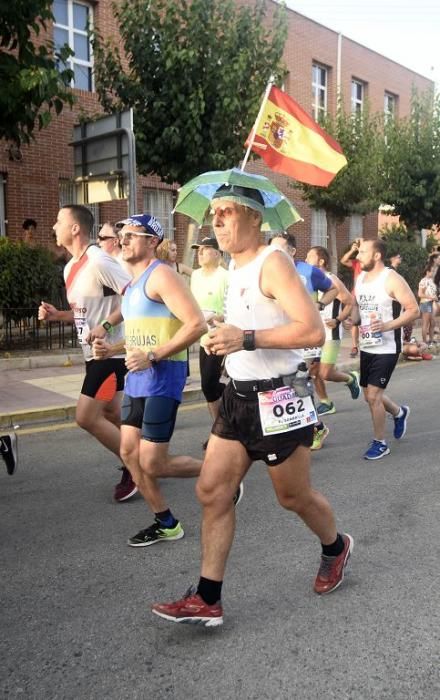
[[311, 353], [281, 410]]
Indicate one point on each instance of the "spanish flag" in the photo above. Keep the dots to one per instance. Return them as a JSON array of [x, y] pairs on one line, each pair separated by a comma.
[[292, 143]]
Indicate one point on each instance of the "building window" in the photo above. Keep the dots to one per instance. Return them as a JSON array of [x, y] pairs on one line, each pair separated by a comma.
[[2, 205], [160, 204], [319, 228], [357, 96], [356, 227], [389, 106], [67, 194], [319, 91], [72, 23]]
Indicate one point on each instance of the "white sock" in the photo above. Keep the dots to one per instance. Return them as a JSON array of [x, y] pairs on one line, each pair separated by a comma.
[[400, 414]]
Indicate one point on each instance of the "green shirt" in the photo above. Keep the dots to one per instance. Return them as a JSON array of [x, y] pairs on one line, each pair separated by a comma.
[[210, 291]]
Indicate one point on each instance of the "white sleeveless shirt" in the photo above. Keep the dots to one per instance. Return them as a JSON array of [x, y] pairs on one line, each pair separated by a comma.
[[248, 309], [374, 302]]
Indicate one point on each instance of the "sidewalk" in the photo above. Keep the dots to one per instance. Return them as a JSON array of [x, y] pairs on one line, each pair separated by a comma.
[[44, 388]]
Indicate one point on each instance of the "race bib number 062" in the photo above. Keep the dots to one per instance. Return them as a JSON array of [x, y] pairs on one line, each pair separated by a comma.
[[281, 411]]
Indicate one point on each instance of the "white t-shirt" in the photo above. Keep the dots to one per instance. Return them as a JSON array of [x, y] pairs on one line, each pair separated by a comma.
[[94, 283]]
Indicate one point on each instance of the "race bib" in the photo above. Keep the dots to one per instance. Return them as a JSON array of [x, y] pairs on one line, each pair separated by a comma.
[[281, 411], [82, 330], [368, 339], [311, 353]]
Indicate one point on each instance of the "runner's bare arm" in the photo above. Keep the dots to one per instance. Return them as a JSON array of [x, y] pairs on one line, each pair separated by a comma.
[[280, 281], [166, 285], [398, 288], [344, 297], [48, 312], [103, 350], [330, 295]]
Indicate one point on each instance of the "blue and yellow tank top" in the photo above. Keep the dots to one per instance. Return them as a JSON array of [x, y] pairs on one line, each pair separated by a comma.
[[148, 325]]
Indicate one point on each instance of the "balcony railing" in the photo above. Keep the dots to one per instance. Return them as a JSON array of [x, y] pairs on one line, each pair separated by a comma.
[[20, 329]]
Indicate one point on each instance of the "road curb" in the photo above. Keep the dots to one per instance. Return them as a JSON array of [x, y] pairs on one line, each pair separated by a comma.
[[66, 413], [41, 361]]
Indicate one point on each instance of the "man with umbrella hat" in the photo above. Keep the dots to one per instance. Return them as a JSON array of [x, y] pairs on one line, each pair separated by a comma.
[[265, 412]]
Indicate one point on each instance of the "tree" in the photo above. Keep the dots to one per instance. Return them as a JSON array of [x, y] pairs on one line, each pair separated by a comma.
[[412, 164], [32, 86], [401, 240], [355, 189], [193, 72]]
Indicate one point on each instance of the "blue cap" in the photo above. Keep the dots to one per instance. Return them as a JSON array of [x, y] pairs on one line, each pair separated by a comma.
[[146, 221]]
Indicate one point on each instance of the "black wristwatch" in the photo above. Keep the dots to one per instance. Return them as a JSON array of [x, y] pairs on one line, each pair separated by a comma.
[[321, 306], [107, 326], [248, 340], [151, 357]]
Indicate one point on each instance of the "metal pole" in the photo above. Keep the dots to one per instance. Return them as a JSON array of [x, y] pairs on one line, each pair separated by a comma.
[[257, 121]]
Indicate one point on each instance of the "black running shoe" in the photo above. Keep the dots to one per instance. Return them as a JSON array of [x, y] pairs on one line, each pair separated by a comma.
[[8, 450], [156, 533]]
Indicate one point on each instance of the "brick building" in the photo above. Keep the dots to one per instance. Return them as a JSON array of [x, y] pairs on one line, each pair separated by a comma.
[[320, 62]]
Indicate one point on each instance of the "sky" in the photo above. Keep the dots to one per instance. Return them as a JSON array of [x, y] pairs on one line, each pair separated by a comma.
[[406, 31]]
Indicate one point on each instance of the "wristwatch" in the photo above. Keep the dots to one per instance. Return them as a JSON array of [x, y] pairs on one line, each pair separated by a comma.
[[249, 340], [321, 306], [107, 326], [151, 357]]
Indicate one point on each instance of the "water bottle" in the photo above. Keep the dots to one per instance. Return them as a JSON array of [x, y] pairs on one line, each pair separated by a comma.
[[302, 383]]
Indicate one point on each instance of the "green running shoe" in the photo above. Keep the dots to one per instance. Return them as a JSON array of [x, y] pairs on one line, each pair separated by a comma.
[[354, 386]]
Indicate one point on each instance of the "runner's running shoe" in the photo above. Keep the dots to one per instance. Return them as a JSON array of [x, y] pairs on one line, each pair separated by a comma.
[[332, 569], [191, 610], [318, 437], [325, 409], [8, 450], [156, 533], [354, 386], [377, 450], [400, 423], [126, 487]]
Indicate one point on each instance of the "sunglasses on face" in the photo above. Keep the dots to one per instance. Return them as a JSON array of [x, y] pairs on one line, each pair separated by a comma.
[[129, 235], [107, 238]]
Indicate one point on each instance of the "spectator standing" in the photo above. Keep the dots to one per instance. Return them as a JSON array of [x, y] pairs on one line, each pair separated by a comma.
[[427, 294]]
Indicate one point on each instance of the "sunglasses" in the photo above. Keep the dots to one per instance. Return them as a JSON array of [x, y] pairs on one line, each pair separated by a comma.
[[130, 234], [108, 238]]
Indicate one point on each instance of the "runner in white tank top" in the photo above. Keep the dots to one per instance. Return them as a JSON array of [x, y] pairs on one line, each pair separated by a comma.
[[381, 294], [94, 282], [270, 317]]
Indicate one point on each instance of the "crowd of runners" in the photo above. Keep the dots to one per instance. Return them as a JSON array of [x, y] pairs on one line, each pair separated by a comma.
[[270, 332]]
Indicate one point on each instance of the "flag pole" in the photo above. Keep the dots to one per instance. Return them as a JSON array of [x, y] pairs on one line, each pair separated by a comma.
[[257, 121]]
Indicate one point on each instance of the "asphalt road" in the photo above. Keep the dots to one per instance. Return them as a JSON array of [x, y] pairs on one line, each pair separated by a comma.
[[75, 620]]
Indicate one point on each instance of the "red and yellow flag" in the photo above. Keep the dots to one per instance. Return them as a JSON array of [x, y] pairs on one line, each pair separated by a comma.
[[292, 143]]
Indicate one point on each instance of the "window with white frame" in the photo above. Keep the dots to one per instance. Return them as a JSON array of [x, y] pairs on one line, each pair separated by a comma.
[[319, 228], [72, 22], [357, 96], [356, 227], [67, 194], [319, 91], [389, 106], [160, 204], [2, 204]]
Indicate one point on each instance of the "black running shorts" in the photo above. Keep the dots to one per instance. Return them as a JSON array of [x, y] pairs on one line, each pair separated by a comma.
[[155, 416], [376, 369], [239, 419], [104, 378]]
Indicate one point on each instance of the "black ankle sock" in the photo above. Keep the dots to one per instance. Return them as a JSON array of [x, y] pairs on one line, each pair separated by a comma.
[[210, 591], [166, 518], [335, 549]]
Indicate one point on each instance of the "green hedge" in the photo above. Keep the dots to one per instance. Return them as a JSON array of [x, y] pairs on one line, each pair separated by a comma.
[[27, 275]]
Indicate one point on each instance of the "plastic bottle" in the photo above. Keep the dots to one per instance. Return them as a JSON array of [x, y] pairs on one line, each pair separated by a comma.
[[302, 382]]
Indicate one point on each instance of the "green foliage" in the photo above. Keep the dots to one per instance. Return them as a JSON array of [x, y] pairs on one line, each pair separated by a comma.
[[355, 188], [32, 87], [412, 164], [195, 77], [27, 275], [401, 240]]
